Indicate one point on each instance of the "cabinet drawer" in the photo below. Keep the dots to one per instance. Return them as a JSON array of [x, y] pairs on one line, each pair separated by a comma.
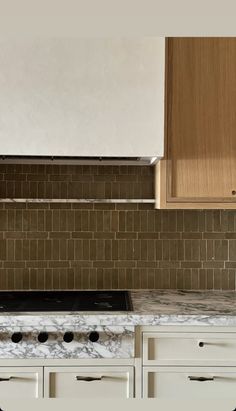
[[189, 348], [182, 382], [89, 382], [21, 382]]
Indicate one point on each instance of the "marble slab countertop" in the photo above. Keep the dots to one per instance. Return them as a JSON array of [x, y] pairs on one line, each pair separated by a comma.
[[150, 307]]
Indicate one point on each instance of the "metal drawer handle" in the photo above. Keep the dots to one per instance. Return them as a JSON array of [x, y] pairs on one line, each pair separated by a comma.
[[89, 379], [6, 379], [201, 379]]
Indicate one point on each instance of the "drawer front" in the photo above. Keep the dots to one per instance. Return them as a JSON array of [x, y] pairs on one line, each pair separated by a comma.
[[191, 348], [183, 383], [89, 382], [21, 382]]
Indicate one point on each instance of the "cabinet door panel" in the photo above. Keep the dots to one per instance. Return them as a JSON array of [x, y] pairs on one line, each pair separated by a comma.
[[21, 382], [200, 122], [183, 383], [89, 382], [189, 348]]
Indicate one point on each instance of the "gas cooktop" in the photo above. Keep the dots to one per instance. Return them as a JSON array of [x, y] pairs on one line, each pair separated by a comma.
[[28, 301]]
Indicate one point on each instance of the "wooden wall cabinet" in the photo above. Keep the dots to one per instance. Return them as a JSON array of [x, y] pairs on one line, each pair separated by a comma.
[[199, 167]]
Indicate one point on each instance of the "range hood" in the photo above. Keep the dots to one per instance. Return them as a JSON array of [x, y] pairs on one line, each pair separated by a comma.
[[82, 100]]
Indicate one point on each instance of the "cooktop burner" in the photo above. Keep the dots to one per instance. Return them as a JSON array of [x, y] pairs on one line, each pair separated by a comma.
[[27, 301]]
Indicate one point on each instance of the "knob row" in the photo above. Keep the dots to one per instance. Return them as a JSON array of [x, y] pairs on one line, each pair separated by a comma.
[[43, 337]]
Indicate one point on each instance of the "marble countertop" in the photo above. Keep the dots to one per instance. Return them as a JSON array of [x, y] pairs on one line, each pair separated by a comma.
[[150, 307]]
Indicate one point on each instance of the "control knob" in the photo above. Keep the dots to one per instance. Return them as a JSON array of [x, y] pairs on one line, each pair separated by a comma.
[[16, 337], [43, 337], [68, 337], [94, 336]]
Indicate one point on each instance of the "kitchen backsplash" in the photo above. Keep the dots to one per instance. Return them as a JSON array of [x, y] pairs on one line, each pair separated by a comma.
[[107, 246]]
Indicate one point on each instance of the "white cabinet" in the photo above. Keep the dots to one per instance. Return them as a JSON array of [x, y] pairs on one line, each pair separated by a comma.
[[197, 364], [89, 382], [189, 383], [21, 382], [189, 348]]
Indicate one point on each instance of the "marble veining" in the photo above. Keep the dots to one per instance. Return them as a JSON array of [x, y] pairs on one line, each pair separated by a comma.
[[114, 342], [116, 329], [150, 307]]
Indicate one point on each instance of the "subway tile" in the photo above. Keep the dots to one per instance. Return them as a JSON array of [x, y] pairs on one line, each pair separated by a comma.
[[213, 235], [108, 245], [148, 235], [59, 234], [126, 235], [126, 264], [104, 235], [81, 263], [82, 234], [168, 235]]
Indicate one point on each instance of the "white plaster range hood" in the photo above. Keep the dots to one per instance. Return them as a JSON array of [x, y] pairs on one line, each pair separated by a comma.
[[82, 100]]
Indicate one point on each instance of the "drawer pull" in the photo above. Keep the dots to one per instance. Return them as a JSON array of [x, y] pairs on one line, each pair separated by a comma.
[[88, 379], [6, 379], [201, 344], [201, 379]]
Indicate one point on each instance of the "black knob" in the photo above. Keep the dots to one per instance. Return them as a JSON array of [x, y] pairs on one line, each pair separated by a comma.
[[16, 337], [201, 344], [42, 337], [68, 337], [94, 336]]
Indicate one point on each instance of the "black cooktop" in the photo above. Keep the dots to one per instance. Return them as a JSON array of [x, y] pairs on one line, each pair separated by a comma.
[[28, 301]]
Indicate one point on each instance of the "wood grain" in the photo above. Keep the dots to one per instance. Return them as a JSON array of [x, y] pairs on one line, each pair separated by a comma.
[[201, 123]]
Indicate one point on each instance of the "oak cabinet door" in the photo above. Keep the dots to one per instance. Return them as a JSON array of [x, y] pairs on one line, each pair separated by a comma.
[[199, 169], [189, 383], [21, 382], [88, 382]]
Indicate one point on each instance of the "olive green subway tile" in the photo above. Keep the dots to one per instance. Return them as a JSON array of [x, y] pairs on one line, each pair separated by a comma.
[[148, 235], [37, 235], [230, 264], [221, 250], [187, 280], [37, 264], [58, 264], [213, 264], [169, 264], [213, 236], [202, 279], [191, 264], [103, 264], [195, 278], [145, 264], [86, 245], [104, 235], [232, 250], [191, 236], [209, 279], [14, 264], [232, 278], [218, 279], [127, 235], [82, 234], [169, 221], [81, 263], [127, 264], [170, 235]]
